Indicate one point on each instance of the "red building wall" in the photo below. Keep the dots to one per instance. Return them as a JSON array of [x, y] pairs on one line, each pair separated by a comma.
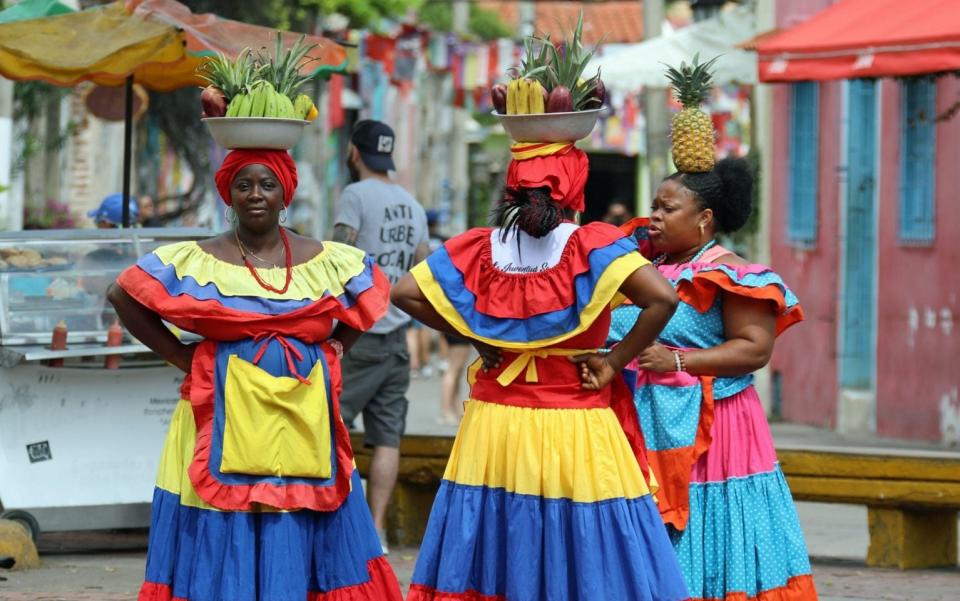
[[918, 296], [806, 355], [918, 310]]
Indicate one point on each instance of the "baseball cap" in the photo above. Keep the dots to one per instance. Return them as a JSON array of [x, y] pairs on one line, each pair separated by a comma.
[[374, 140], [111, 210]]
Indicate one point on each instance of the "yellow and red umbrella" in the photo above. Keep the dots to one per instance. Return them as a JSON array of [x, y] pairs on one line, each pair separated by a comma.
[[156, 43]]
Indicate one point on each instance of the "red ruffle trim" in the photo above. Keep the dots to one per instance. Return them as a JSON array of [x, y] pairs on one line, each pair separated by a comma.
[[644, 245], [382, 586], [238, 497], [210, 319], [510, 295], [702, 290], [418, 592], [798, 588]]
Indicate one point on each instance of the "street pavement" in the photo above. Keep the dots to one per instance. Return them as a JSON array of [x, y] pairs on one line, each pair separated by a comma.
[[108, 566]]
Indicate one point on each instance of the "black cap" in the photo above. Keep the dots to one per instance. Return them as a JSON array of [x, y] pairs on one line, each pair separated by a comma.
[[374, 140]]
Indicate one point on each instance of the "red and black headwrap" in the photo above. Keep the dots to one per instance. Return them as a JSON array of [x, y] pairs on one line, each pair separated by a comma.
[[563, 168], [278, 161]]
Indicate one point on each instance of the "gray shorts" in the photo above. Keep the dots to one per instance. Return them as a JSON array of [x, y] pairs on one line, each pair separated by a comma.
[[376, 376]]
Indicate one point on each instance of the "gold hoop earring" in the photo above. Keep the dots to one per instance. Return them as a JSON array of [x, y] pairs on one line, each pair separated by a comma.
[[701, 230]]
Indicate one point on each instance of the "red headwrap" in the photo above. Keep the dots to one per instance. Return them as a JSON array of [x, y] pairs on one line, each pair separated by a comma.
[[565, 173], [278, 161]]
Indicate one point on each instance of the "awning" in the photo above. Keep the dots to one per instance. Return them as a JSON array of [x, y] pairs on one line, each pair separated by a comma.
[[865, 38], [206, 34], [635, 66], [159, 42]]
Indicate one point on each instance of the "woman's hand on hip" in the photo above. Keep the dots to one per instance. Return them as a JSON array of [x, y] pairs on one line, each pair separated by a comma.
[[595, 371], [490, 355], [658, 358]]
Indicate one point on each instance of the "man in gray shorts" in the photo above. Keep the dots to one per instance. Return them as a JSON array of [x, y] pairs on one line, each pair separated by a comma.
[[383, 219]]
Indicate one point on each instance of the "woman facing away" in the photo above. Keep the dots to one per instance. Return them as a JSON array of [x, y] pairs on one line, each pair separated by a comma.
[[729, 512], [257, 498], [544, 496]]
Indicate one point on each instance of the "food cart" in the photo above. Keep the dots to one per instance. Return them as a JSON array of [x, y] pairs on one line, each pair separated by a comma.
[[79, 442]]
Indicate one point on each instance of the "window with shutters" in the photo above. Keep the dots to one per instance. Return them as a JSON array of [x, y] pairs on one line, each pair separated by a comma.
[[917, 152], [804, 136]]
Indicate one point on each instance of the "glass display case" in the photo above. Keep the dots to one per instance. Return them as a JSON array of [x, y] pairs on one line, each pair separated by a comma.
[[48, 277], [75, 418]]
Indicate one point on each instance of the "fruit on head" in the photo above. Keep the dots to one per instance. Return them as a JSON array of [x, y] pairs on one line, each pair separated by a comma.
[[498, 97], [302, 105], [691, 129], [560, 100], [525, 97], [213, 101]]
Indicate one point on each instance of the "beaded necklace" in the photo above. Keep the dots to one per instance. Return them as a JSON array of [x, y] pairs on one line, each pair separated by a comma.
[[253, 271], [660, 259]]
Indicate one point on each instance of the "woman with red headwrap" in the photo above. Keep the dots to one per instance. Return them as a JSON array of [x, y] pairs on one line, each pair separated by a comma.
[[257, 497], [545, 495]]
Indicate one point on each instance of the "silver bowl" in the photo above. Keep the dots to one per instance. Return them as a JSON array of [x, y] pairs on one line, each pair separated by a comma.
[[255, 132], [550, 127]]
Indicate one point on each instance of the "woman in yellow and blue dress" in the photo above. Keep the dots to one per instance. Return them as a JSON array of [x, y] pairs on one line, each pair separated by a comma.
[[544, 496], [257, 498]]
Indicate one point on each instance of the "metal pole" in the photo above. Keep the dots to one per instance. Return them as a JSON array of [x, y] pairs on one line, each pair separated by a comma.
[[127, 150], [655, 112]]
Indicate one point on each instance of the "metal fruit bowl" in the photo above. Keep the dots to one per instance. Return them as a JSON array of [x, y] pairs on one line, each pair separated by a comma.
[[255, 132], [549, 127]]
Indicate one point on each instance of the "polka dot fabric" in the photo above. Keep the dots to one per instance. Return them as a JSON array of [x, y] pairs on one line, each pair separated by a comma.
[[742, 537]]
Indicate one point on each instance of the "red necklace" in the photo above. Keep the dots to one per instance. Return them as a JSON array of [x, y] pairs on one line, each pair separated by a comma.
[[253, 270]]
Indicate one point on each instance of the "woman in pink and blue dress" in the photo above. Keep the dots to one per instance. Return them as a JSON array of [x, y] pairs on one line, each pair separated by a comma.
[[723, 497]]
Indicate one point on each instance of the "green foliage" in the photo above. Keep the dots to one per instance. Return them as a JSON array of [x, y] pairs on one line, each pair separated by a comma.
[[304, 15], [33, 100], [484, 24]]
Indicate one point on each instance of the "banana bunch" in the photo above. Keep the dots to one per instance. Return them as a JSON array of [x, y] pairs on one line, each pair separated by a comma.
[[525, 97], [262, 100]]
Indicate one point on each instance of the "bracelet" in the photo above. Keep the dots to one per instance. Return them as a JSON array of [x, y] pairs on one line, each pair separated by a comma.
[[337, 346], [678, 361]]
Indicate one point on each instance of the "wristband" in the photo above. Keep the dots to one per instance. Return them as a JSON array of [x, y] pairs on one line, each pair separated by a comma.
[[337, 346]]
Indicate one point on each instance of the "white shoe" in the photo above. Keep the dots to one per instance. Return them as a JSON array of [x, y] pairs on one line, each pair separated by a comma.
[[426, 371]]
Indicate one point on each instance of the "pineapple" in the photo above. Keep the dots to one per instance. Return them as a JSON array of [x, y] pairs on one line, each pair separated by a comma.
[[691, 129], [232, 77], [284, 68]]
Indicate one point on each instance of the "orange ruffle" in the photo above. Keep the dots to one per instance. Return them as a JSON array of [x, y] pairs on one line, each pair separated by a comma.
[[701, 292], [798, 588]]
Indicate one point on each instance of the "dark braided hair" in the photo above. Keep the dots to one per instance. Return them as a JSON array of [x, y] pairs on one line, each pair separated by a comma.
[[727, 189], [532, 210]]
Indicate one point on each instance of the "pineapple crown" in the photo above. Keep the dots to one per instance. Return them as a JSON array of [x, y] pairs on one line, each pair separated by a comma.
[[284, 69], [231, 76], [692, 83], [561, 63]]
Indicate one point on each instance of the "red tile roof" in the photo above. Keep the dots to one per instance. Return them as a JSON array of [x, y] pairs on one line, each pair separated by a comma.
[[611, 21]]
